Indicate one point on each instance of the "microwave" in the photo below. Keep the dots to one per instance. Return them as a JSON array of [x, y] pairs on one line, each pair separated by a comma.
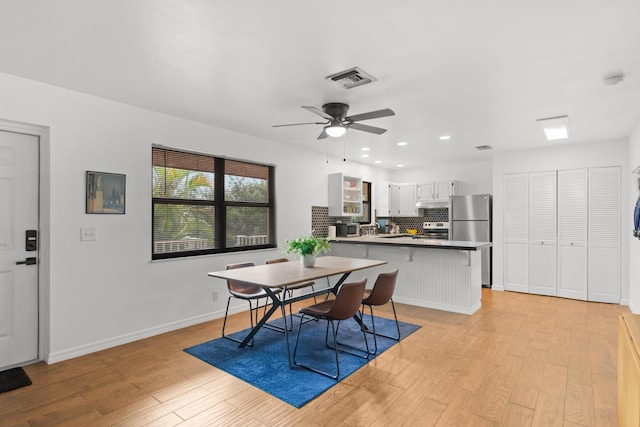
[[347, 230]]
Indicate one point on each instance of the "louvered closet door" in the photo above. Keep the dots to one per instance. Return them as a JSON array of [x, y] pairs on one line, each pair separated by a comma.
[[572, 234], [542, 233], [516, 232], [604, 235]]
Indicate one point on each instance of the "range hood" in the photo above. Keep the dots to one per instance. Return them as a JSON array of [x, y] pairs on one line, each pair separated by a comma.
[[428, 204]]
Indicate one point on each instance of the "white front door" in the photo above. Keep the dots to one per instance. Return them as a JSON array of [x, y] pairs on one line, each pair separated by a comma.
[[19, 171]]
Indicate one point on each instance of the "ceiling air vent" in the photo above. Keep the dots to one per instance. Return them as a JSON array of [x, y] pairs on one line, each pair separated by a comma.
[[353, 77], [484, 147]]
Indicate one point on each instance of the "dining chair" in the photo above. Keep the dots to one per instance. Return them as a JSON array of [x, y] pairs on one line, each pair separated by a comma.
[[344, 306], [250, 293], [292, 288], [381, 294]]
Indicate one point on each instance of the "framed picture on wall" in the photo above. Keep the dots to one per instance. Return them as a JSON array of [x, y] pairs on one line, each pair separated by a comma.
[[105, 193]]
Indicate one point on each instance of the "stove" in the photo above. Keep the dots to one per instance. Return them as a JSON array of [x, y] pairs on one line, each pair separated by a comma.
[[434, 230]]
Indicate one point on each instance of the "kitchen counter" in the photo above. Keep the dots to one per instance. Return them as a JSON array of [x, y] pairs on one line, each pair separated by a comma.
[[439, 274], [408, 241]]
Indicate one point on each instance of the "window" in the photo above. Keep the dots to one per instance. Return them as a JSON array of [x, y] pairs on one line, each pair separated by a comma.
[[203, 204]]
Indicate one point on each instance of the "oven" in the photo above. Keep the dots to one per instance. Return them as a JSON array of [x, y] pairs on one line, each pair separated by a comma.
[[434, 230]]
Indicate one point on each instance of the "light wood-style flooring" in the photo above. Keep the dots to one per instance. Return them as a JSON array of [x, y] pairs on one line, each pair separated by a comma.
[[521, 360]]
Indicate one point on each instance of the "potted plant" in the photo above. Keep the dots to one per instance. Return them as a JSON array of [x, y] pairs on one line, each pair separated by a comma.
[[308, 247]]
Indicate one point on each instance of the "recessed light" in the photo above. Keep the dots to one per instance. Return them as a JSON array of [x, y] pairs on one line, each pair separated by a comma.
[[378, 161], [402, 143], [555, 127], [365, 149], [364, 155], [400, 166], [445, 137]]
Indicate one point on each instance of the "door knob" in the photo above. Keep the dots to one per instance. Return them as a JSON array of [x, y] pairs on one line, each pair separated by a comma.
[[28, 261]]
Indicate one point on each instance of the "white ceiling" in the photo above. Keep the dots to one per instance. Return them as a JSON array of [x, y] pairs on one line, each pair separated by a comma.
[[482, 72]]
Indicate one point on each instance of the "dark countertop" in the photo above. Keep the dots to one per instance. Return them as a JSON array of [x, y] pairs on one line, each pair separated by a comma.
[[404, 240]]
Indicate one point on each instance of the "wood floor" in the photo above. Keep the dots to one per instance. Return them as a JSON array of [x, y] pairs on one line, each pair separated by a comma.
[[521, 360]]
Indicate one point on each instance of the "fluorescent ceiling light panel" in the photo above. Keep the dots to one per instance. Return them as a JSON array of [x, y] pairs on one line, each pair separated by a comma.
[[555, 127]]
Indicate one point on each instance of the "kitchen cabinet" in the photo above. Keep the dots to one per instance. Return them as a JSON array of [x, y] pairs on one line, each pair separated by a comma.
[[345, 195], [436, 191], [402, 200], [542, 233]]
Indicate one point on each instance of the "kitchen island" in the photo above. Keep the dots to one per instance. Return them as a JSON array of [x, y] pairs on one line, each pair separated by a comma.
[[439, 274]]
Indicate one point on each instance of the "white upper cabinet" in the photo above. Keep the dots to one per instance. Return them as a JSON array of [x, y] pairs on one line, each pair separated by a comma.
[[402, 200], [436, 191], [345, 195]]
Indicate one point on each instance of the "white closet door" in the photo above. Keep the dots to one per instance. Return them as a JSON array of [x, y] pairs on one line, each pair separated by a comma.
[[542, 233], [604, 235], [516, 232], [572, 233]]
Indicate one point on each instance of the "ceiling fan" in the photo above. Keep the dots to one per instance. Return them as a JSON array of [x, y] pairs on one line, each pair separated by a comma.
[[338, 122]]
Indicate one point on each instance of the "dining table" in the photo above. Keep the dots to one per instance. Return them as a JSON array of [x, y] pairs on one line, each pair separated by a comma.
[[279, 276]]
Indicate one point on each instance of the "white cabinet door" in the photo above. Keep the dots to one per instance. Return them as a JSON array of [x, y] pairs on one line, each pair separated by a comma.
[[407, 199], [572, 233], [394, 199], [444, 189], [516, 232], [542, 233], [426, 191], [604, 235]]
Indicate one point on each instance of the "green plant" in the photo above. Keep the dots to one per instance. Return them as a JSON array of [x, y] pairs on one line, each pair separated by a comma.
[[308, 245]]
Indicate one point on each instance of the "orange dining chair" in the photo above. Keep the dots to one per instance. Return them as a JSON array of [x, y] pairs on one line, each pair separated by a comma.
[[344, 306], [381, 294], [248, 292]]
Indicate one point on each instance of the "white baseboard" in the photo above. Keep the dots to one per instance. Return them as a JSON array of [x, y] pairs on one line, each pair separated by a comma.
[[59, 356], [436, 306]]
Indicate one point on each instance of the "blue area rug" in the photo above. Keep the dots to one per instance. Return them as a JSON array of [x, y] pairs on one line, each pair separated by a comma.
[[265, 364]]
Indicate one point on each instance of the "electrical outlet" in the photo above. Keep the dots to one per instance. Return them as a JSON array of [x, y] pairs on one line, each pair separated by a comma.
[[88, 234], [215, 295]]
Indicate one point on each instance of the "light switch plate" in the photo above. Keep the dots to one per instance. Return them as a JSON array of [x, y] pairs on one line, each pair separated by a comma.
[[88, 234]]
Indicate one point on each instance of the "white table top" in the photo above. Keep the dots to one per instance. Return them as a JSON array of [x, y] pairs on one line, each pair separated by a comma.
[[287, 273]]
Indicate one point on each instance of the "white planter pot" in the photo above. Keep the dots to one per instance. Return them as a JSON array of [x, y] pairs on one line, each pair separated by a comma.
[[308, 260]]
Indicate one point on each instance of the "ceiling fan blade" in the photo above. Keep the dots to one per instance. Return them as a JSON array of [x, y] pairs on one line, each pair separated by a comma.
[[371, 115], [323, 134], [318, 112], [366, 128], [298, 124]]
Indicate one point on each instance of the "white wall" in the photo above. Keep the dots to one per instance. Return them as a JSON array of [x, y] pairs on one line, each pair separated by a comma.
[[561, 156], [634, 244], [103, 293]]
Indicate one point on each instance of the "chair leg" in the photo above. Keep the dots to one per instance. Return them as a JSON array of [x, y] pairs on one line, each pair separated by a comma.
[[342, 347], [224, 323], [311, 368], [373, 327]]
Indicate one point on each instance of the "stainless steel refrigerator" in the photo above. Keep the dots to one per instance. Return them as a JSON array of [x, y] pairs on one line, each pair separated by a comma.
[[470, 220]]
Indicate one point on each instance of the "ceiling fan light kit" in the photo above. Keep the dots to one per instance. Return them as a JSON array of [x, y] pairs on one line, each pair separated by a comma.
[[337, 121]]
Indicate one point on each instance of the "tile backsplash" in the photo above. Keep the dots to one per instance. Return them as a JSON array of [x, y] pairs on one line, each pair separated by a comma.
[[320, 219]]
